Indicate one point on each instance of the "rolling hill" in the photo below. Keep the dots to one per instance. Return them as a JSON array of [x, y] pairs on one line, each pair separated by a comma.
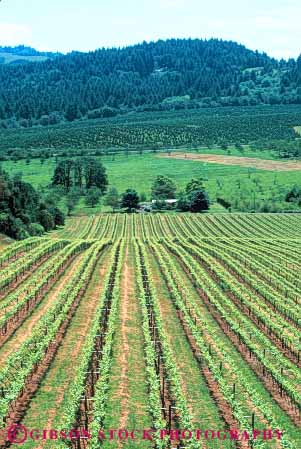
[[163, 75], [22, 54]]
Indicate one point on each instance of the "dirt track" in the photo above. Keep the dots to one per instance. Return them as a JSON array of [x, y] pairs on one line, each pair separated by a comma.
[[261, 164]]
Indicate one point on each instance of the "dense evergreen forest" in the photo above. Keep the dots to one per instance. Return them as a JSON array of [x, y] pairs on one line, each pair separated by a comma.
[[173, 74], [22, 54]]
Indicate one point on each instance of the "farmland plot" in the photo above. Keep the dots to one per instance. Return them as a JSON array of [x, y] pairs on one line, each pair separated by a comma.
[[175, 322]]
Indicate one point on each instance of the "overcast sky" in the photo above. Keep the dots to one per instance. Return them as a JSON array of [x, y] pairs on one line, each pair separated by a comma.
[[272, 26]]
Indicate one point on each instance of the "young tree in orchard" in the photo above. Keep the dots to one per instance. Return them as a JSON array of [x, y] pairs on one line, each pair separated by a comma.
[[130, 199], [163, 188], [93, 196], [112, 198]]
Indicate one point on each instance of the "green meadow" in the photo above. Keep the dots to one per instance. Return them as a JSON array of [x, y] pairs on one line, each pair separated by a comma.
[[242, 186]]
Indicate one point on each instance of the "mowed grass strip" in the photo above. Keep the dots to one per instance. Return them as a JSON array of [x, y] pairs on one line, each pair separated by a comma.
[[242, 161], [45, 411], [127, 406], [201, 405], [24, 331], [224, 350]]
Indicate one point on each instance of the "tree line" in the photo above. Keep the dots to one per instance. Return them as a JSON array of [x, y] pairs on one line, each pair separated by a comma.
[[194, 198], [87, 177], [172, 74], [23, 211], [82, 173]]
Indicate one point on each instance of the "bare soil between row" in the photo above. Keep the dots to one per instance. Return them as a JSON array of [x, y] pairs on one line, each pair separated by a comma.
[[250, 162]]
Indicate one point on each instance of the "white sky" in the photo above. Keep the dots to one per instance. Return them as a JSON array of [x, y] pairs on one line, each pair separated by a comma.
[[272, 26]]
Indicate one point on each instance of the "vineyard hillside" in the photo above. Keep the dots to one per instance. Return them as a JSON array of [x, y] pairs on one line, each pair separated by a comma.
[[159, 321]]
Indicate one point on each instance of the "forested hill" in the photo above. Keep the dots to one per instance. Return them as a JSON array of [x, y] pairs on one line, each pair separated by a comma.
[[172, 74], [22, 54]]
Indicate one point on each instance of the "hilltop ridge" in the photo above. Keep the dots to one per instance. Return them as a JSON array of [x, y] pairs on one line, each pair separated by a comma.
[[162, 75]]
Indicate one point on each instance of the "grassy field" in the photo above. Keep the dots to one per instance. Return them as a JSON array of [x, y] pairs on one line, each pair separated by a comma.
[[122, 168], [241, 186]]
